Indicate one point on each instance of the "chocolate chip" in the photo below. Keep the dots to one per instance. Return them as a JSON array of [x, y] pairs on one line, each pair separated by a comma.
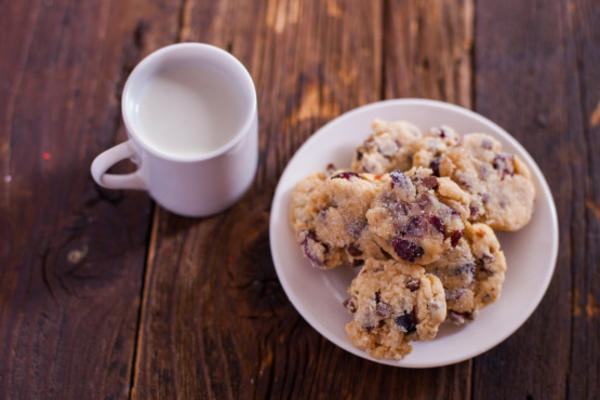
[[435, 166], [407, 322], [377, 297], [358, 263], [465, 269], [359, 155]]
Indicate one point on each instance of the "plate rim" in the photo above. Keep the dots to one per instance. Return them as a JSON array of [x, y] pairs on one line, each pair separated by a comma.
[[322, 330]]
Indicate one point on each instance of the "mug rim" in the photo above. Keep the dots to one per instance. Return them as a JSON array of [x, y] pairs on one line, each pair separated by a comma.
[[218, 53]]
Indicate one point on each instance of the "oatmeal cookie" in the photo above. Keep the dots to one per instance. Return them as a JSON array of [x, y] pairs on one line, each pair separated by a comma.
[[327, 214], [389, 148], [393, 303], [472, 272], [417, 216], [499, 183]]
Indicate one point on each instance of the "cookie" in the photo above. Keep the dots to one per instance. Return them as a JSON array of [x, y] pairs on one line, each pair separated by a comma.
[[393, 303], [389, 148], [417, 216], [327, 214], [435, 142], [472, 272], [499, 183]]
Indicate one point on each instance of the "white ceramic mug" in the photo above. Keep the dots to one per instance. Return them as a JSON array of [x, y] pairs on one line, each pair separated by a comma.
[[187, 184]]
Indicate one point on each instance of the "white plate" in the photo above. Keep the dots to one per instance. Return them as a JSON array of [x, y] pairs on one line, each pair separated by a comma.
[[318, 295]]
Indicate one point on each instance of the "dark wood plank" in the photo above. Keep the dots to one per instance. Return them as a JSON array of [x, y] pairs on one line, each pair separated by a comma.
[[527, 81], [584, 375], [72, 254], [215, 321], [428, 48]]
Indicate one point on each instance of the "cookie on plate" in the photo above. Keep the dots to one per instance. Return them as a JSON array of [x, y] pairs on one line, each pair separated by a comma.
[[393, 303], [499, 183], [472, 272], [327, 214], [417, 216], [387, 149]]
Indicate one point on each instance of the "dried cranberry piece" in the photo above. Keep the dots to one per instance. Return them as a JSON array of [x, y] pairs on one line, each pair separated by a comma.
[[437, 223], [456, 235], [416, 227], [354, 250], [349, 305], [504, 164], [346, 175], [442, 133], [407, 322], [310, 238], [413, 284], [400, 180], [383, 309], [423, 201], [430, 182], [473, 211], [435, 166], [408, 251]]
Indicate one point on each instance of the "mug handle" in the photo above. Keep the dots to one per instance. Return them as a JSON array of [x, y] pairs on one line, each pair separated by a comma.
[[110, 157]]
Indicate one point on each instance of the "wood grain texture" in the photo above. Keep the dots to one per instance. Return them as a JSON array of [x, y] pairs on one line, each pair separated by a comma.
[[215, 321], [81, 316], [72, 254], [583, 381], [428, 49], [529, 80]]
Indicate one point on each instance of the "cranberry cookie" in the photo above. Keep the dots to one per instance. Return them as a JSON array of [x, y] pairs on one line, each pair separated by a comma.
[[472, 272], [499, 183], [393, 303], [417, 216], [389, 148], [327, 214]]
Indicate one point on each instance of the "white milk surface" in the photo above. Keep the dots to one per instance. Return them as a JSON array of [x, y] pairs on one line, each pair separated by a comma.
[[188, 110]]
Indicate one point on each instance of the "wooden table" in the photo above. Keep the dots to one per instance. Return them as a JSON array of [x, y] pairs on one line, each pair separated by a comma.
[[105, 295]]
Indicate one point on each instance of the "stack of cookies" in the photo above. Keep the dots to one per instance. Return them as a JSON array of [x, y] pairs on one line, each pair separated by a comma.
[[416, 212]]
